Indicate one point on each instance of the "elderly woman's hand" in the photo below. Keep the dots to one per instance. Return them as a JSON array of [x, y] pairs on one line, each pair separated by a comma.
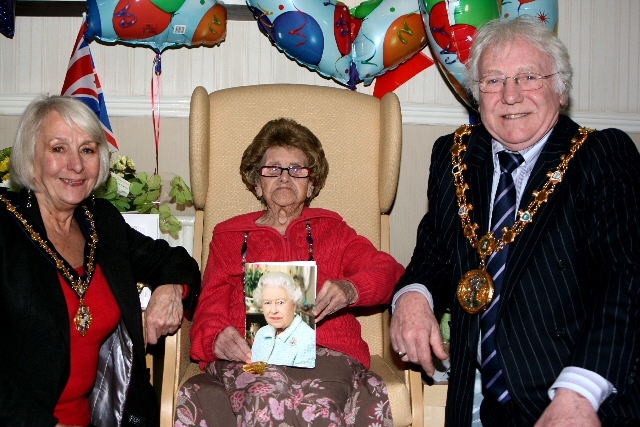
[[164, 312], [230, 345], [334, 295]]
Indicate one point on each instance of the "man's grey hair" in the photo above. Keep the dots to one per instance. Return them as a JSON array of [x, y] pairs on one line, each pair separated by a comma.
[[496, 35]]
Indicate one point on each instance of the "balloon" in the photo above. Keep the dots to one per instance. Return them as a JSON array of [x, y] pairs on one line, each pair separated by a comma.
[[404, 37], [170, 6], [342, 29], [451, 28], [8, 18], [316, 34], [365, 8], [391, 33], [346, 46], [300, 36], [139, 19], [545, 10], [212, 27], [159, 24]]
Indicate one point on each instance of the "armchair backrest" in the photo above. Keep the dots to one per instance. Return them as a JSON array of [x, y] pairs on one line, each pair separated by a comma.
[[360, 134]]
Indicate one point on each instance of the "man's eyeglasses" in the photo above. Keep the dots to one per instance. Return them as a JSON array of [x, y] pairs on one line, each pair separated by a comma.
[[293, 171], [524, 81]]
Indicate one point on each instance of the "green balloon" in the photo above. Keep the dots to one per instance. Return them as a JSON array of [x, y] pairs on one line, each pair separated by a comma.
[[476, 12], [365, 8], [169, 6]]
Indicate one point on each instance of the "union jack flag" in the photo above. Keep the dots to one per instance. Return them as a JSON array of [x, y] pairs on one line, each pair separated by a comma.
[[83, 83]]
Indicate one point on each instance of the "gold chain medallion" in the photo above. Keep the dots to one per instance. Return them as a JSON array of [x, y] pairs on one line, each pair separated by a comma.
[[476, 288], [475, 291], [83, 318]]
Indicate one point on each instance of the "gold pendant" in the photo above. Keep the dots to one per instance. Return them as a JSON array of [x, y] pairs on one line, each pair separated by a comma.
[[83, 318], [475, 291], [256, 368]]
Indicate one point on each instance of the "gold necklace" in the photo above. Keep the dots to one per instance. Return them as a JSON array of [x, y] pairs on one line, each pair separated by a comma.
[[475, 289], [83, 318]]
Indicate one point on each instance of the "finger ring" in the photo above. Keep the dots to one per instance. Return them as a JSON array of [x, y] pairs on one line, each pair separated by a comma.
[[401, 354]]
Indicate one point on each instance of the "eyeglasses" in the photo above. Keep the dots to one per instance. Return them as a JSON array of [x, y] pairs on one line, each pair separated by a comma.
[[293, 171], [524, 81]]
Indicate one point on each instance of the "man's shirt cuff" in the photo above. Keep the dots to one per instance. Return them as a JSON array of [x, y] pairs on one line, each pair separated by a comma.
[[414, 287], [584, 382]]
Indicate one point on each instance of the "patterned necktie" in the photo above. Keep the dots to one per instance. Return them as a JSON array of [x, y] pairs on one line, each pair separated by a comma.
[[504, 210]]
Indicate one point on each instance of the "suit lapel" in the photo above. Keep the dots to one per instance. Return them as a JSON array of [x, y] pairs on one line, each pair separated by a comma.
[[47, 277], [525, 245], [479, 161], [479, 174]]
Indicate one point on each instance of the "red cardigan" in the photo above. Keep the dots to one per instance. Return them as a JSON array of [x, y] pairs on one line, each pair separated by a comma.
[[339, 252]]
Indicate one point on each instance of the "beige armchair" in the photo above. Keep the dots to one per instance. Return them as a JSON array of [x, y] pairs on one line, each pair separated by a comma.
[[361, 136]]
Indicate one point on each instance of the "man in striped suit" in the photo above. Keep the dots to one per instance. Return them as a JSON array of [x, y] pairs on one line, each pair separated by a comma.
[[532, 238]]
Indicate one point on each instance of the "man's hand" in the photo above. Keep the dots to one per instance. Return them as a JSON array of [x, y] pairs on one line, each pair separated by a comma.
[[569, 409], [415, 331], [334, 295], [164, 312], [230, 345]]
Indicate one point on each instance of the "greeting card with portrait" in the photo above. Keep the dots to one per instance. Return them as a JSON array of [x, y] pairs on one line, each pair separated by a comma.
[[280, 298]]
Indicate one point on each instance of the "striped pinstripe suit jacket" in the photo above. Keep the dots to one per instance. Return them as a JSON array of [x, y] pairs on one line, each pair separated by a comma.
[[570, 296]]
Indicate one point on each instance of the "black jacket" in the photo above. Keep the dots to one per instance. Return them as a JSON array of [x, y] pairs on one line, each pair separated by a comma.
[[34, 356], [571, 289]]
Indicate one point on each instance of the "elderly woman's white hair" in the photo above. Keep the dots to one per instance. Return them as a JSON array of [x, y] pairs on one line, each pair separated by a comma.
[[496, 35], [281, 280], [75, 113]]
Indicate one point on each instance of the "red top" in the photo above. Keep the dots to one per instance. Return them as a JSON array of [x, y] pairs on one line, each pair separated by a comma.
[[339, 252], [73, 406]]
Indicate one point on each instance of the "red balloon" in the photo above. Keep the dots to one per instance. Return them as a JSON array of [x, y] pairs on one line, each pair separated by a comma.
[[439, 23], [455, 38], [356, 23], [342, 28], [212, 27], [139, 19], [405, 37], [461, 40]]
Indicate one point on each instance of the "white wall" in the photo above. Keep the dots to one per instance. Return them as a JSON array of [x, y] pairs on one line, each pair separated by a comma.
[[602, 38]]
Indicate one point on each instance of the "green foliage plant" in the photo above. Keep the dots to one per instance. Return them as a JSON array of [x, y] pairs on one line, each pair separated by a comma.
[[5, 157], [144, 193]]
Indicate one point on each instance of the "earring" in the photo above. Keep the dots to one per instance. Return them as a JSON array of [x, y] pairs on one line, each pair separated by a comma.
[[93, 198], [29, 198]]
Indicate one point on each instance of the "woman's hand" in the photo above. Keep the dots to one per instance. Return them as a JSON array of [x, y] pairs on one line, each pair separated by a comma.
[[230, 345], [334, 295], [164, 312]]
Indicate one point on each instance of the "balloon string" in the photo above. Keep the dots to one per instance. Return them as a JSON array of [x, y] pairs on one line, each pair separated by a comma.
[[155, 102]]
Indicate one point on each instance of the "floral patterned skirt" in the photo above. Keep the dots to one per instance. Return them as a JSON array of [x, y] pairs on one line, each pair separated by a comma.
[[338, 392]]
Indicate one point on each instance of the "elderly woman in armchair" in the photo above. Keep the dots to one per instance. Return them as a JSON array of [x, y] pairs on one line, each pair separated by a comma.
[[285, 168]]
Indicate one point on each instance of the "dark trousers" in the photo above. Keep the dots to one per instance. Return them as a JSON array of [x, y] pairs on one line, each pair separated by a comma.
[[495, 414]]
